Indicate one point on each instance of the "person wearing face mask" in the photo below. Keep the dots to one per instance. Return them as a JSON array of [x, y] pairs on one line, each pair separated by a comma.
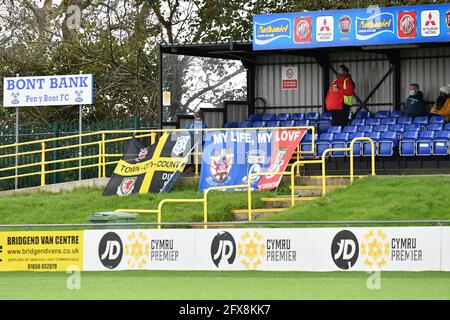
[[339, 97], [415, 104], [442, 105]]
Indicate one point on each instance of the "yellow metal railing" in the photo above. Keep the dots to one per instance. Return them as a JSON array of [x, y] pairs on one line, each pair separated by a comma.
[[103, 159], [247, 186]]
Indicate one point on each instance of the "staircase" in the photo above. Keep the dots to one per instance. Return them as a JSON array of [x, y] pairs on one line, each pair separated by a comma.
[[307, 189]]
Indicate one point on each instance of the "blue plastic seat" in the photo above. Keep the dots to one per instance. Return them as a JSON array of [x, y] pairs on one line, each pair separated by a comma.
[[258, 124], [350, 129], [388, 141], [421, 120], [298, 116], [381, 128], [326, 116], [398, 128], [287, 123], [383, 114], [244, 124], [301, 123], [356, 145], [362, 115], [412, 127], [447, 127], [324, 143], [366, 146], [358, 122], [437, 119], [312, 116], [268, 117], [255, 117], [365, 128], [405, 120], [389, 121], [323, 125], [272, 124], [407, 146], [283, 116], [435, 127], [373, 121], [396, 113], [339, 141], [424, 143], [335, 129], [306, 145], [230, 125], [441, 143]]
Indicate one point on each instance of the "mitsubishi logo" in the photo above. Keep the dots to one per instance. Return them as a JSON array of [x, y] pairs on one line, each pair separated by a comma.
[[325, 27], [430, 20]]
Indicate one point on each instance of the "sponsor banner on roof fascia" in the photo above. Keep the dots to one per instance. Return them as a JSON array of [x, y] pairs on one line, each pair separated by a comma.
[[255, 249], [378, 249], [139, 250], [48, 90], [356, 27], [41, 251]]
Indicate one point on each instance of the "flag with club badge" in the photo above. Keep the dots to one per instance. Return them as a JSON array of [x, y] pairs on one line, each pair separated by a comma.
[[150, 169]]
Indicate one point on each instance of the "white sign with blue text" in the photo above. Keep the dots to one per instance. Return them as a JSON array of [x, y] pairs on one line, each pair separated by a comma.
[[48, 90]]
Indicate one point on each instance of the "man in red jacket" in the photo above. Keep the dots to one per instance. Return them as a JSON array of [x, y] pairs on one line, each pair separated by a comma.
[[339, 97]]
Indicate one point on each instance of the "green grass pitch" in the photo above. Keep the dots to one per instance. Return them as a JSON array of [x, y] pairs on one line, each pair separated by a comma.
[[234, 285]]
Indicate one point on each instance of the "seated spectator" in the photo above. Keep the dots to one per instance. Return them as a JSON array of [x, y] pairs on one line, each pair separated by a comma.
[[415, 105], [442, 104]]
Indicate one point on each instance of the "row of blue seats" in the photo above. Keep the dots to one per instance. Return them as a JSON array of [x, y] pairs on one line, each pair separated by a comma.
[[316, 116], [422, 120], [270, 124], [312, 116], [400, 128], [412, 143]]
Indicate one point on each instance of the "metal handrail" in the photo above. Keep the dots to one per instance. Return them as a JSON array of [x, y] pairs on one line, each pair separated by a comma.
[[102, 156]]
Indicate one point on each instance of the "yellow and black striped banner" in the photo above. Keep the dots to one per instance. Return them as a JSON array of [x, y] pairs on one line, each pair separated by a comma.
[[147, 169]]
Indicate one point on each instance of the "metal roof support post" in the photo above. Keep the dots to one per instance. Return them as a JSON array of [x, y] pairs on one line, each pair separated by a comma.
[[323, 59], [250, 85], [394, 59], [161, 110]]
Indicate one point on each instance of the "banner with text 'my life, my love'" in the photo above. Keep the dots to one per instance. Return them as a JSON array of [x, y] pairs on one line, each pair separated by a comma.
[[230, 157]]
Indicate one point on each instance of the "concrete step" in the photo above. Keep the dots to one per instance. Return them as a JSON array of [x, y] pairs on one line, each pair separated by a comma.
[[313, 191], [242, 214], [284, 201]]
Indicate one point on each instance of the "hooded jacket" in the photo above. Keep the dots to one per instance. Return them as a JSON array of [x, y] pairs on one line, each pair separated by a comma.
[[415, 105], [444, 111]]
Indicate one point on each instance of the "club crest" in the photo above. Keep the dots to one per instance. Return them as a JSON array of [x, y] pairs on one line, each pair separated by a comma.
[[221, 165], [141, 155], [180, 145], [126, 187]]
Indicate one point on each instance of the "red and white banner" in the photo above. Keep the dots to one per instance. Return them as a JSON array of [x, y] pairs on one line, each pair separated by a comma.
[[284, 144]]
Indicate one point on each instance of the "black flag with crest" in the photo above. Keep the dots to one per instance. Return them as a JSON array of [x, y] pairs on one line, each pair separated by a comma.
[[149, 169]]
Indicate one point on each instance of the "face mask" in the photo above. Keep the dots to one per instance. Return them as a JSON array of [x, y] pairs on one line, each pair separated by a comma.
[[412, 92]]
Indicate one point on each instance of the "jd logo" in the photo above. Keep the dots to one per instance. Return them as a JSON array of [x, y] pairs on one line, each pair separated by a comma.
[[110, 250], [345, 250], [223, 248]]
